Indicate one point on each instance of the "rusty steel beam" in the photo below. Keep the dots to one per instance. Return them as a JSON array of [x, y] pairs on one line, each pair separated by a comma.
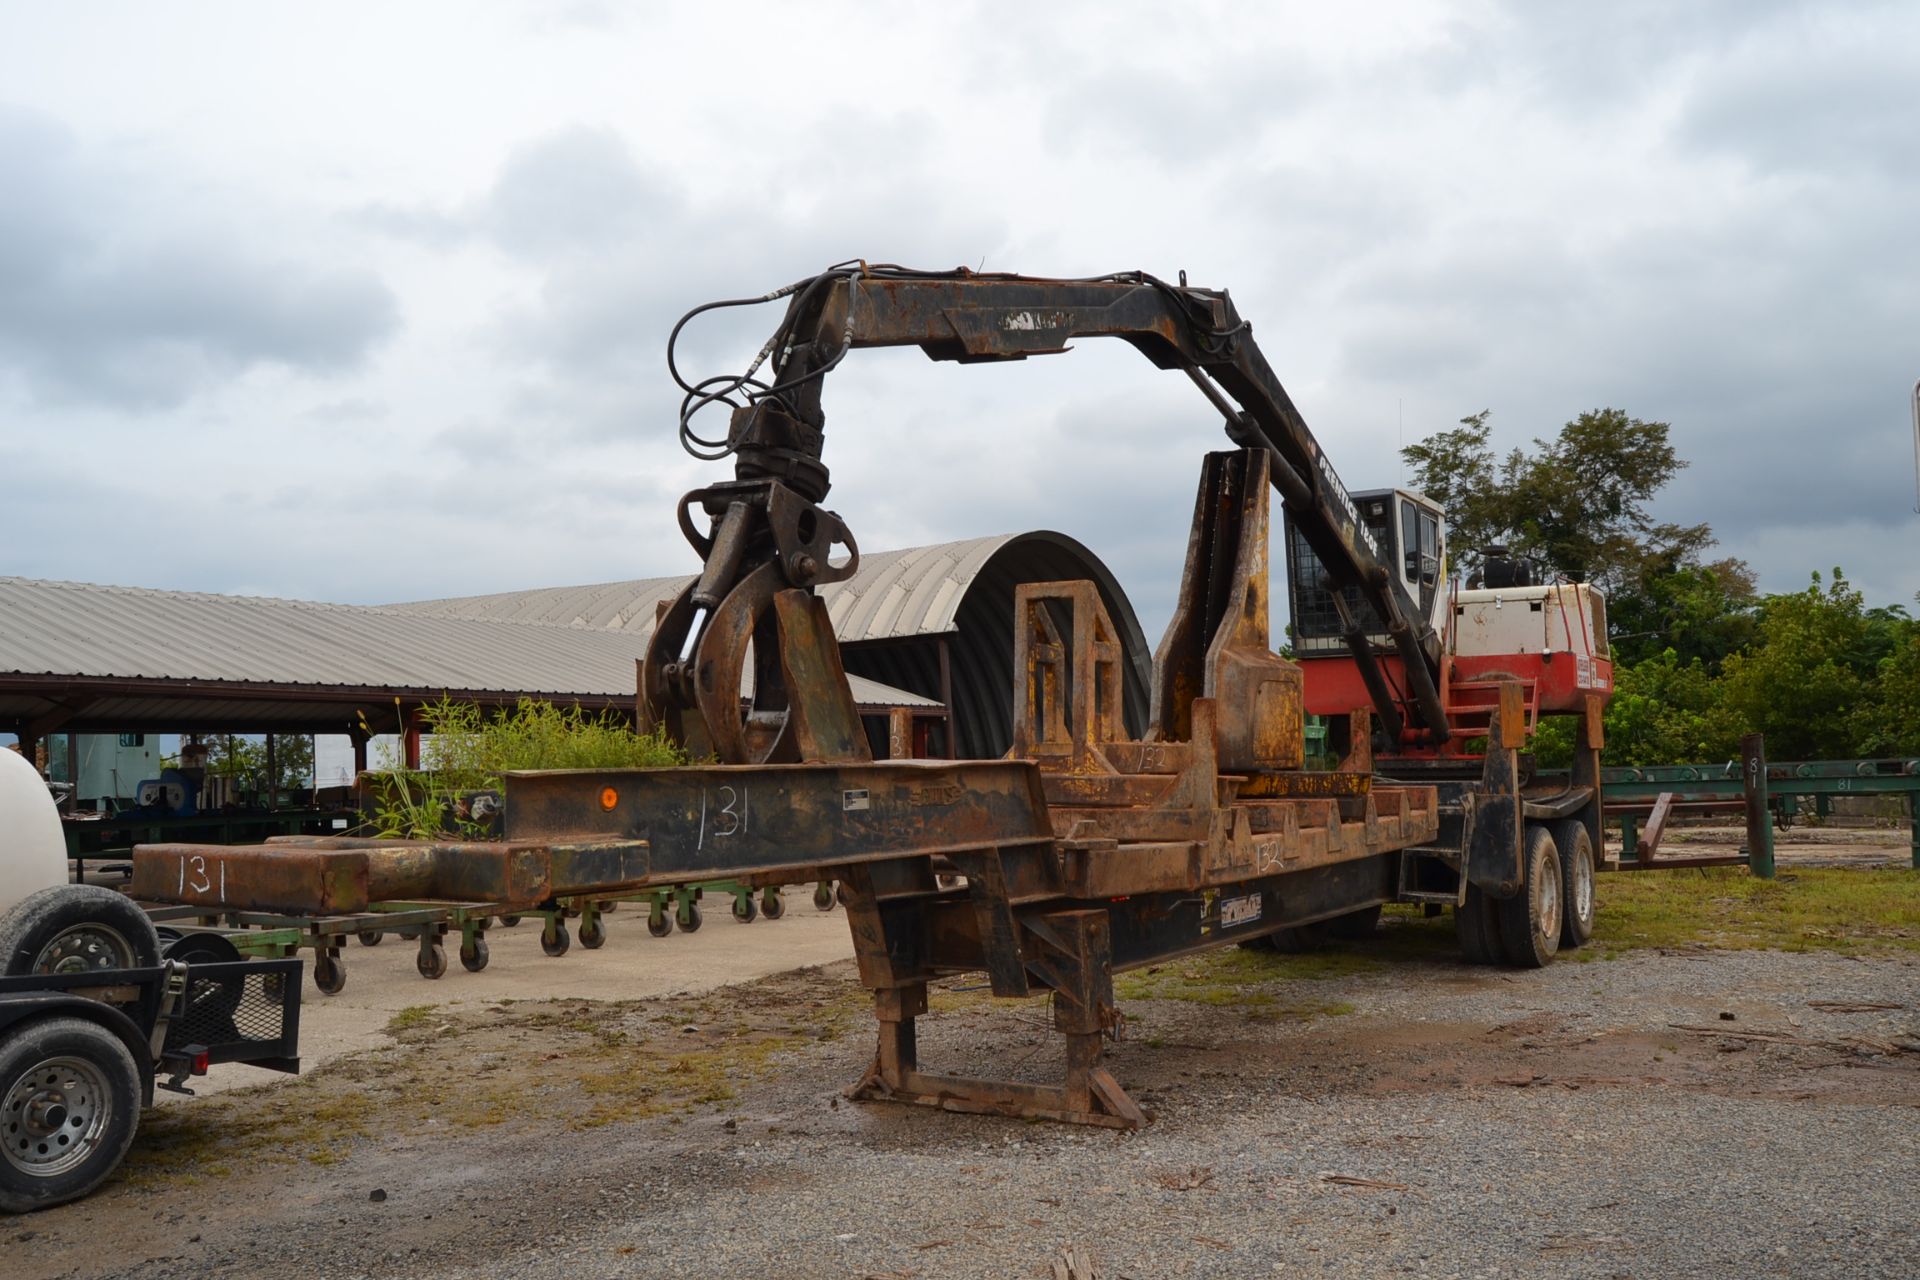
[[323, 875]]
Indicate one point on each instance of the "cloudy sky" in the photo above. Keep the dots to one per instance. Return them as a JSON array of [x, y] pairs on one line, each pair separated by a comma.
[[369, 302]]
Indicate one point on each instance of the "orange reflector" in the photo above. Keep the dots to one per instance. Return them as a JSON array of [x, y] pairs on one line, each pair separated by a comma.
[[609, 797]]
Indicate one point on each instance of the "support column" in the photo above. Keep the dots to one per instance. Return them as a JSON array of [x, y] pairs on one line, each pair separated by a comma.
[[897, 1057], [1913, 817], [1753, 772], [946, 700]]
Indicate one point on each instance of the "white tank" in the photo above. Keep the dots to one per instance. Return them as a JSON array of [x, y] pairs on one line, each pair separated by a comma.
[[33, 853]]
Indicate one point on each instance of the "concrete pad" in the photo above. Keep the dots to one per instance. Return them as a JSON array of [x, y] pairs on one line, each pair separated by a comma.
[[383, 980]]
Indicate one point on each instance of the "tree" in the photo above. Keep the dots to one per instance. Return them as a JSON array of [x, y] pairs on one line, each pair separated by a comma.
[[1702, 612], [245, 758], [1579, 503], [1888, 721], [1660, 712], [1805, 680]]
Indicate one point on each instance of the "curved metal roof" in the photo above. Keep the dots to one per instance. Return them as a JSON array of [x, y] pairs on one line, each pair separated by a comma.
[[124, 656], [915, 591], [961, 590]]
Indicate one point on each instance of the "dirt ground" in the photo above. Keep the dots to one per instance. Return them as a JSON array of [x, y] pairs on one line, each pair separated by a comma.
[[1381, 1110], [1825, 846]]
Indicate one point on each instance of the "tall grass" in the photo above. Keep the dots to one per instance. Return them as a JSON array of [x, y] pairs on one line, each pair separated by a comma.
[[466, 751]]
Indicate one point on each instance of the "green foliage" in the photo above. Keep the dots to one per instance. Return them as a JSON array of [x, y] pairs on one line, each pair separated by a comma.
[[463, 750], [1699, 612], [245, 759], [1659, 713], [1806, 676], [1888, 722]]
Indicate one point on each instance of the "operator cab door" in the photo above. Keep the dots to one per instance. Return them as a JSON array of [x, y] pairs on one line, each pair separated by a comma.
[[1421, 561]]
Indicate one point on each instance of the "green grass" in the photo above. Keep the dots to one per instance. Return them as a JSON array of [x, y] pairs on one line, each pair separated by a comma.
[[1853, 911], [411, 1016], [1850, 910]]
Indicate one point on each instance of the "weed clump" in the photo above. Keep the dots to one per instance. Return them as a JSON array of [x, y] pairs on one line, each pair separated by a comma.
[[463, 750]]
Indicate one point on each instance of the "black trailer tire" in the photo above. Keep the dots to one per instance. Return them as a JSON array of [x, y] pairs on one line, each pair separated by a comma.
[[1301, 939], [1576, 881], [75, 928], [1530, 919], [69, 1105], [772, 905], [1356, 925], [1476, 930]]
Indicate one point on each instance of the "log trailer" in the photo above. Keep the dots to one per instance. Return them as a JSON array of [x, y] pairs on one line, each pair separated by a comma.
[[1086, 850]]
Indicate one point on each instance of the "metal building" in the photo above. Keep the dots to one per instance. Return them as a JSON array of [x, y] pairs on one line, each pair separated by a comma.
[[927, 628], [936, 621]]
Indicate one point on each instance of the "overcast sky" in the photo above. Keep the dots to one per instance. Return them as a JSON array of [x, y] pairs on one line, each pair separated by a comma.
[[368, 303]]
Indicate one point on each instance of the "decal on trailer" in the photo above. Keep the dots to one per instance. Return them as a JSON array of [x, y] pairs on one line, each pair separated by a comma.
[[1238, 911]]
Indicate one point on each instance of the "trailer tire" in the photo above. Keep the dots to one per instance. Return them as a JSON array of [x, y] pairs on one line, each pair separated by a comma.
[[1356, 925], [1476, 930], [1576, 881], [69, 1105], [73, 928], [1530, 919], [1301, 939]]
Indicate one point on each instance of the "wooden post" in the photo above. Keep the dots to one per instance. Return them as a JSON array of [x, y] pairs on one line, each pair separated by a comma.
[[1656, 826]]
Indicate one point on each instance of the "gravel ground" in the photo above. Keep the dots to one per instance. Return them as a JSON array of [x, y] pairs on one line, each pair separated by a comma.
[[1553, 1123]]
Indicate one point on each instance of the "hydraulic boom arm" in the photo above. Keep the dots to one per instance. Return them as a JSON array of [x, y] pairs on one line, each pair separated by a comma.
[[768, 514]]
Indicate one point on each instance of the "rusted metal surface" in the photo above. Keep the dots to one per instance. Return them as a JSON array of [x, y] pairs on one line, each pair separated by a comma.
[[322, 875], [1092, 852]]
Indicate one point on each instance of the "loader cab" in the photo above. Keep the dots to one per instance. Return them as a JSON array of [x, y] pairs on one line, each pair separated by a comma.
[[1408, 531]]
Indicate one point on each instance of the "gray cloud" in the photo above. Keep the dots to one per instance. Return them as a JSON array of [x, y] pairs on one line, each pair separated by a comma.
[[113, 292], [1839, 103], [1695, 213]]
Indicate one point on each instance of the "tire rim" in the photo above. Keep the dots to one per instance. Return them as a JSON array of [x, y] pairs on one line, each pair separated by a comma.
[[55, 1116], [1546, 893], [1583, 888], [85, 948]]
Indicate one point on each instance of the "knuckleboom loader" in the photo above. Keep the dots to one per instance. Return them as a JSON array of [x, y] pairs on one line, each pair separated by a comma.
[[1428, 684], [96, 1005]]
